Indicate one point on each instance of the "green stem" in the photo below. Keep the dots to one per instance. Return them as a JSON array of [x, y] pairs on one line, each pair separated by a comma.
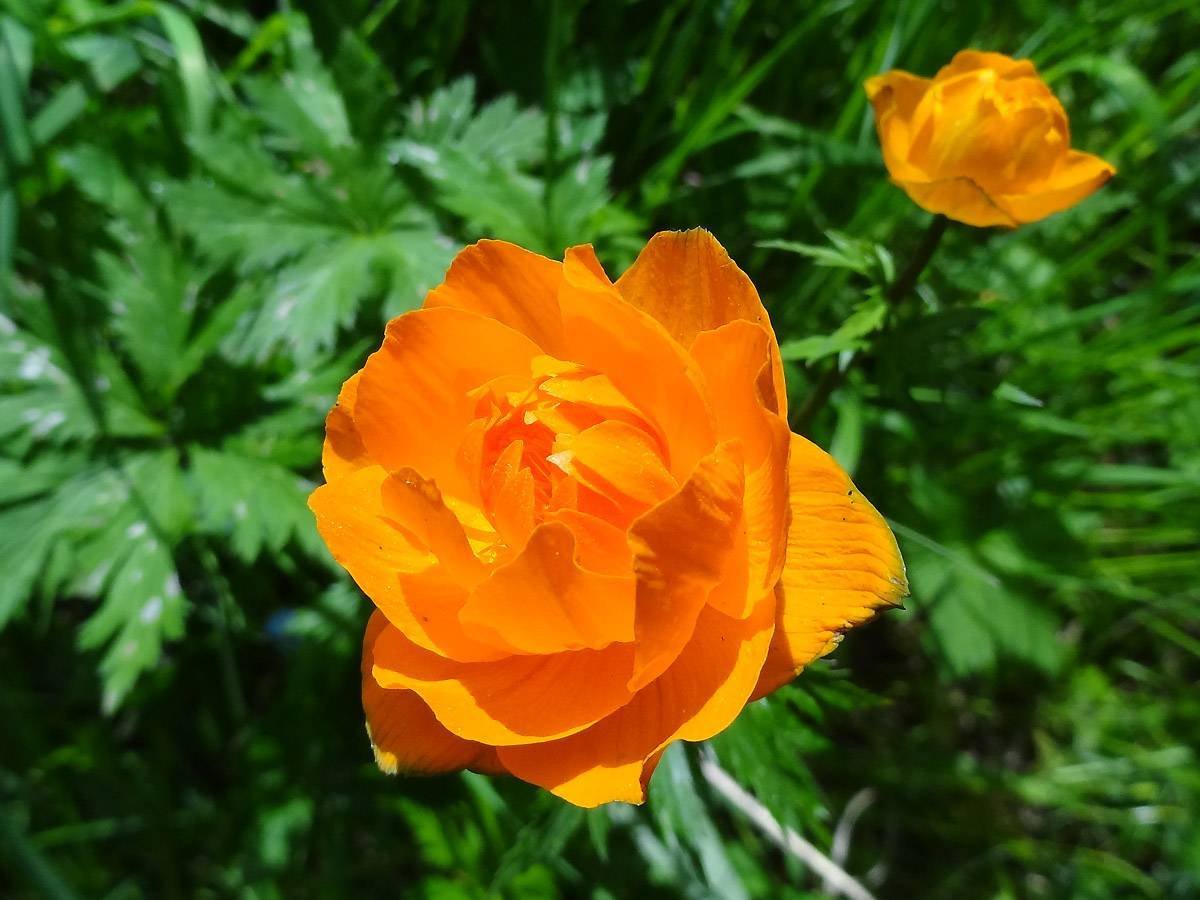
[[231, 680], [901, 287], [897, 291]]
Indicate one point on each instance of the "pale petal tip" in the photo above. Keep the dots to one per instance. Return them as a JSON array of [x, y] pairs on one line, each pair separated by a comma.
[[387, 762]]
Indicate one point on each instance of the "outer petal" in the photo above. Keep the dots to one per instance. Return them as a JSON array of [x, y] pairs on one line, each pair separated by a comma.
[[607, 335], [358, 519], [970, 60], [894, 98], [732, 357], [960, 199], [687, 281], [404, 734], [681, 550], [1077, 177], [698, 696], [343, 451], [543, 602], [518, 700], [504, 282], [896, 92], [843, 565], [413, 402]]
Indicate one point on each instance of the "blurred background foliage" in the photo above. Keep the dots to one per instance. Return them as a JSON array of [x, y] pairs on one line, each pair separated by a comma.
[[207, 211]]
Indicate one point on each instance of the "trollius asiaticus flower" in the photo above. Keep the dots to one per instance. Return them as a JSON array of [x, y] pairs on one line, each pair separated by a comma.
[[581, 517], [984, 141]]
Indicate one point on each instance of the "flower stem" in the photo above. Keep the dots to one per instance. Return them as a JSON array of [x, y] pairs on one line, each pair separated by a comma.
[[901, 287], [838, 882], [896, 292]]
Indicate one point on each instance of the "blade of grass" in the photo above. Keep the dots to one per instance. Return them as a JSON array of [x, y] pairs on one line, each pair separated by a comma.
[[192, 64]]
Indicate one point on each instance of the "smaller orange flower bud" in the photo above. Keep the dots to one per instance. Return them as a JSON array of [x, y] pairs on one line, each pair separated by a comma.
[[984, 142]]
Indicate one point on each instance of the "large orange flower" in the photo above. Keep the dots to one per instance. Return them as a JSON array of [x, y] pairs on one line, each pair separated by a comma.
[[582, 518], [984, 142]]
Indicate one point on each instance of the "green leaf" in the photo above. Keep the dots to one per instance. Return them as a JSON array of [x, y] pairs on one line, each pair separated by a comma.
[[26, 539], [866, 319], [67, 104], [257, 506], [304, 109], [153, 295], [243, 228], [684, 821], [975, 621], [486, 167], [143, 607], [310, 300], [1013, 394], [110, 59], [844, 252], [40, 403], [101, 177], [15, 58], [99, 532], [324, 246], [192, 65]]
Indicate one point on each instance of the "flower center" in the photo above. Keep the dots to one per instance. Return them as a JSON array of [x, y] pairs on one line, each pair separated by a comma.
[[563, 438], [519, 438]]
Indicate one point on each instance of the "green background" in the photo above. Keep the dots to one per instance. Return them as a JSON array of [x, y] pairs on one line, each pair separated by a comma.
[[207, 211]]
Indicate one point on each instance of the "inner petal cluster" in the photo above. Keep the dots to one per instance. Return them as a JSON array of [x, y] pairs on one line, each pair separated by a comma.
[[562, 439], [1002, 132]]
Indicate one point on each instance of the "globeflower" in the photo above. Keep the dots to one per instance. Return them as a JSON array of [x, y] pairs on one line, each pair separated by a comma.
[[983, 142], [582, 519]]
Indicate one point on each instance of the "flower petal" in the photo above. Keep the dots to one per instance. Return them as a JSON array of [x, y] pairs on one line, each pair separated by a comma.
[[618, 461], [507, 283], [699, 695], [960, 199], [517, 700], [364, 529], [405, 736], [413, 404], [732, 358], [1077, 177], [687, 281], [970, 60], [600, 546], [343, 451], [681, 549], [415, 504], [607, 335], [599, 395], [509, 494], [894, 98], [842, 566], [896, 92], [543, 602]]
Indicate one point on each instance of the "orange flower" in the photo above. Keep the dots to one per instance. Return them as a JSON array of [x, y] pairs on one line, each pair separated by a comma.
[[583, 520], [984, 142]]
